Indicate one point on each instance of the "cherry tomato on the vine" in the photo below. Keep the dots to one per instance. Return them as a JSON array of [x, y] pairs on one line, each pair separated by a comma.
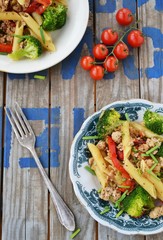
[[97, 72], [121, 51], [135, 38], [109, 37], [124, 16], [100, 51], [86, 62], [111, 64]]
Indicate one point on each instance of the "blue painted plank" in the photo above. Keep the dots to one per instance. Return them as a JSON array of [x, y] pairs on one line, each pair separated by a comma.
[[41, 140], [158, 4], [79, 118], [13, 76], [42, 114], [54, 138]]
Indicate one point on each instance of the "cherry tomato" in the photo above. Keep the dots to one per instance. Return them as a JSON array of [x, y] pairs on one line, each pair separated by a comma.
[[97, 72], [124, 16], [86, 62], [121, 51], [135, 38], [111, 64], [109, 37], [100, 51]]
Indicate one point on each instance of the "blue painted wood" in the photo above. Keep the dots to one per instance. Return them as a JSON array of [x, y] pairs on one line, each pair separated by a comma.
[[158, 4], [35, 114], [31, 76], [78, 116]]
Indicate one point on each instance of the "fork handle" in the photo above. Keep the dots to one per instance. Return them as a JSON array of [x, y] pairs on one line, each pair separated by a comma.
[[65, 215]]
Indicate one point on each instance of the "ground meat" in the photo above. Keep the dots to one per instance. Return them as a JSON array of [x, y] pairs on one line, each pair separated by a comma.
[[143, 147], [110, 193], [4, 4], [150, 163], [156, 212], [14, 5], [152, 142], [120, 146], [101, 145], [7, 29], [117, 137]]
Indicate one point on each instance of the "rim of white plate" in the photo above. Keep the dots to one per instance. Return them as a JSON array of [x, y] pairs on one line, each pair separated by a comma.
[[80, 10]]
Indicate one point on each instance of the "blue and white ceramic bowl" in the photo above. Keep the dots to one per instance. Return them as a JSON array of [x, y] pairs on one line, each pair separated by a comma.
[[86, 185]]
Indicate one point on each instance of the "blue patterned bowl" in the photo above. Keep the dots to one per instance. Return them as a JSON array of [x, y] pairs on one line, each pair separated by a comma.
[[86, 185]]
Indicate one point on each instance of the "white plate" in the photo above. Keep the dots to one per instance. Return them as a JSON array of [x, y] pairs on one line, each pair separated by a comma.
[[86, 185], [65, 39]]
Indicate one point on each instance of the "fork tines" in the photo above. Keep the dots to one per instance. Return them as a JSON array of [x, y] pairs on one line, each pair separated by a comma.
[[18, 121]]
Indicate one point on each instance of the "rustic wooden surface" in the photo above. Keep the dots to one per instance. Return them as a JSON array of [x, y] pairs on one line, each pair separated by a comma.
[[56, 107]]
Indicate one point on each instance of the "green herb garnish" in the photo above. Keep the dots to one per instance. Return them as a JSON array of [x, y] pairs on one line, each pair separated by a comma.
[[152, 149], [105, 210], [90, 137], [39, 77], [90, 170], [75, 233], [42, 34]]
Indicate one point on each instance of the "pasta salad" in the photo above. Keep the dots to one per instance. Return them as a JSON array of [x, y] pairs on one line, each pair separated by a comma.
[[128, 162], [25, 26]]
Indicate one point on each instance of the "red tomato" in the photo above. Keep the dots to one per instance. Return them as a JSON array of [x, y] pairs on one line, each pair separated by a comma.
[[135, 38], [109, 37], [128, 185], [97, 72], [124, 16], [38, 6], [100, 51], [120, 155], [111, 64], [86, 62], [6, 48], [121, 51]]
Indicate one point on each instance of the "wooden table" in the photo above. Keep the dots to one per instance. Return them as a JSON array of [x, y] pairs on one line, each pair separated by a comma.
[[57, 106]]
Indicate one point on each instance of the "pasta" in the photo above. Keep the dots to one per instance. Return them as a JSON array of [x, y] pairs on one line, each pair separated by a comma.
[[100, 162], [35, 28], [10, 16], [142, 181], [22, 19], [127, 159], [156, 182], [18, 31]]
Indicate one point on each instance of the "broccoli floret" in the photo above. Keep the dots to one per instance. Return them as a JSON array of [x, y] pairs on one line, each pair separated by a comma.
[[137, 202], [160, 151], [153, 121], [108, 121], [54, 17], [31, 48]]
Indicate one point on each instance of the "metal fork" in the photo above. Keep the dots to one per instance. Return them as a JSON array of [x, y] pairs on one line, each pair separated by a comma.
[[26, 138]]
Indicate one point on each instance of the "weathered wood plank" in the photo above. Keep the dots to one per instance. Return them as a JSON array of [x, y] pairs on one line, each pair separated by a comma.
[[151, 54], [25, 197], [71, 91], [122, 85], [1, 162], [151, 65]]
